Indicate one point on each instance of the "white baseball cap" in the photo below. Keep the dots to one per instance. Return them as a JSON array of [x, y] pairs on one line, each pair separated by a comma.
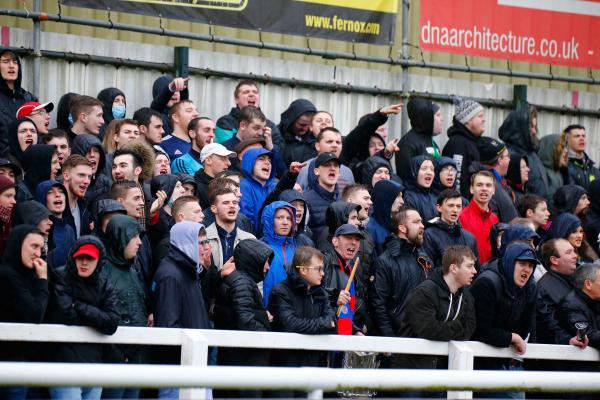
[[215, 148]]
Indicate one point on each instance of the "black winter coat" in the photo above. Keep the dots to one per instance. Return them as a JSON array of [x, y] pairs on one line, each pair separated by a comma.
[[582, 171], [318, 200], [552, 290], [499, 315], [434, 313], [294, 149], [397, 272], [24, 297], [440, 235], [578, 307], [239, 303], [419, 140], [591, 222], [462, 148], [515, 133], [202, 180], [84, 302], [296, 308]]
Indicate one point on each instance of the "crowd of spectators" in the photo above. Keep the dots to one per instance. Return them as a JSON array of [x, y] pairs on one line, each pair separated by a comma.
[[165, 217]]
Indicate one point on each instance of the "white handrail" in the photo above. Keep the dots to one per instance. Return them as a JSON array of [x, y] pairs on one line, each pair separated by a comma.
[[194, 349]]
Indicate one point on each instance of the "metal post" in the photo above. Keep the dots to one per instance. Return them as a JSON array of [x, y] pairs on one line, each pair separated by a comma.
[[37, 38], [405, 50], [460, 357], [194, 351], [315, 395], [182, 61], [519, 95]]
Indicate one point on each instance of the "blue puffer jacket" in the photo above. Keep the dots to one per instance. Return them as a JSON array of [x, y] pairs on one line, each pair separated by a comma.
[[283, 246], [253, 192]]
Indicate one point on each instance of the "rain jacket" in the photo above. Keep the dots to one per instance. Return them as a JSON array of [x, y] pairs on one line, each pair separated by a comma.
[[420, 198], [253, 192]]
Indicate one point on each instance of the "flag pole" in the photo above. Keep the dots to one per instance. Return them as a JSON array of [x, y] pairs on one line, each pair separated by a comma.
[[349, 283]]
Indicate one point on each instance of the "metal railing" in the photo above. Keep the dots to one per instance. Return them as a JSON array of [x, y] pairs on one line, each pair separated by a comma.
[[194, 373]]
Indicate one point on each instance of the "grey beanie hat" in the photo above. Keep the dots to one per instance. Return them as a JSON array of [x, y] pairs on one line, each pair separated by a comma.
[[466, 109]]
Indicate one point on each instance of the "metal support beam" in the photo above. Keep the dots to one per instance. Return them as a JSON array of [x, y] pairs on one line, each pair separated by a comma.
[[182, 61], [519, 95], [37, 39], [404, 125], [330, 55]]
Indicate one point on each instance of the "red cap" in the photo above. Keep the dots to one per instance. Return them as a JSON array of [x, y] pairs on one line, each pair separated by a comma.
[[32, 106], [89, 250]]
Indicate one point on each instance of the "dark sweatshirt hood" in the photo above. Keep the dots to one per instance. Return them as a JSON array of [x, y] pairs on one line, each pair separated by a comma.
[[44, 187], [165, 183], [514, 131], [513, 176], [420, 112], [63, 110], [71, 268], [36, 163], [337, 214], [383, 195], [83, 143], [4, 89], [293, 112], [496, 230], [507, 266], [371, 165], [13, 140], [415, 166], [30, 212], [439, 164], [458, 129], [517, 232], [161, 83], [291, 195], [14, 243], [250, 256], [119, 231], [107, 97], [546, 152], [563, 225], [567, 197]]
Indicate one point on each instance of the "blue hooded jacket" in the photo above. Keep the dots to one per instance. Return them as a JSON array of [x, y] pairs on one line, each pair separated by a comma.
[[420, 198], [507, 268], [253, 192], [62, 235], [383, 194], [563, 226], [283, 246]]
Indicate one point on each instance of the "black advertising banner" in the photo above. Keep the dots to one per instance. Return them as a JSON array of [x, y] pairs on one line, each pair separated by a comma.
[[367, 21]]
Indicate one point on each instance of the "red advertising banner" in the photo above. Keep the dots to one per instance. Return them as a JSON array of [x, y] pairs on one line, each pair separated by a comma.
[[558, 32]]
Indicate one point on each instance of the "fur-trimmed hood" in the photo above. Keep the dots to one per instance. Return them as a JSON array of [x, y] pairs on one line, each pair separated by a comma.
[[146, 152]]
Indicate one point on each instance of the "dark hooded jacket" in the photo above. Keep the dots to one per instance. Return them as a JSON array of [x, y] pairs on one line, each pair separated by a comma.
[[62, 236], [556, 177], [10, 101], [383, 195], [161, 94], [103, 207], [177, 281], [433, 312], [36, 162], [462, 148], [128, 284], [370, 166], [440, 235], [563, 225], [101, 182], [511, 233], [582, 171], [501, 306], [24, 296], [419, 140], [63, 111], [296, 308], [440, 164], [301, 148], [230, 124], [239, 303], [161, 229], [398, 271], [107, 97], [591, 222], [81, 301], [514, 131], [303, 233], [336, 214], [513, 178], [565, 199], [15, 154], [355, 149], [418, 197], [553, 287]]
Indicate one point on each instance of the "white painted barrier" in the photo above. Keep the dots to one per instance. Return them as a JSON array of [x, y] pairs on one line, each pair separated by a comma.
[[194, 373]]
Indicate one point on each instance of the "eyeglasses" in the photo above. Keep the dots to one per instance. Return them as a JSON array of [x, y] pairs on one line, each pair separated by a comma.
[[319, 268], [204, 243], [39, 112]]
